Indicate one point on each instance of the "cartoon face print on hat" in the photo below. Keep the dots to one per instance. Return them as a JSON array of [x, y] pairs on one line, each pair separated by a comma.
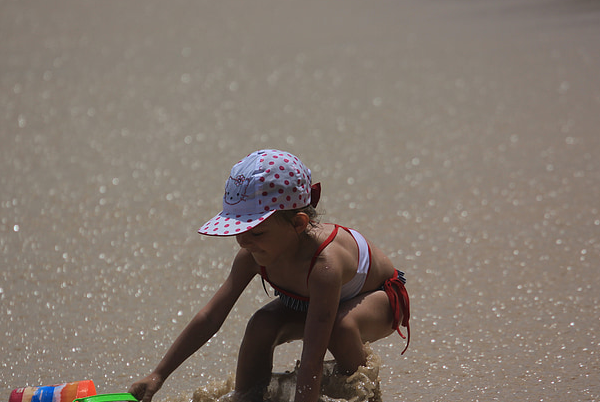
[[235, 189]]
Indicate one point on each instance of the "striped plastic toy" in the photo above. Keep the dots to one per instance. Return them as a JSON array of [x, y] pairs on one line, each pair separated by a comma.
[[54, 393]]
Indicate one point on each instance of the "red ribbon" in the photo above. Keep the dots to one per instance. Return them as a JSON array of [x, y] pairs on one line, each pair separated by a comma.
[[396, 292], [315, 194]]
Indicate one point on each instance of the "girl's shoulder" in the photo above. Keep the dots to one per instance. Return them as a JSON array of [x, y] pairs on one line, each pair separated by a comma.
[[339, 236], [344, 251], [337, 248]]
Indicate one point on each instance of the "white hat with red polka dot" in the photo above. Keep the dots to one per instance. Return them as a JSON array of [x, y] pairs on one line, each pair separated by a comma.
[[260, 184]]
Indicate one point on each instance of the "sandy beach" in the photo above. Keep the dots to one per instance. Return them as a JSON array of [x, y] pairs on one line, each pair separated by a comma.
[[463, 137]]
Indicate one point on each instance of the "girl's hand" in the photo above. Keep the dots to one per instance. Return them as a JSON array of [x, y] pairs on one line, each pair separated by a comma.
[[145, 388]]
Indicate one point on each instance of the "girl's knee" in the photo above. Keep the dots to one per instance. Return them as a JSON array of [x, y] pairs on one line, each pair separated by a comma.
[[344, 327], [263, 321], [345, 337], [275, 325], [347, 347]]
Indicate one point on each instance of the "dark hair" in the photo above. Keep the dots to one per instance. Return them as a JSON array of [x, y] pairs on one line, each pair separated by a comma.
[[288, 214]]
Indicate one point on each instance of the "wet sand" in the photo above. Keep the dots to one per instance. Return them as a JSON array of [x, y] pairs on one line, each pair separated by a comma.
[[462, 137]]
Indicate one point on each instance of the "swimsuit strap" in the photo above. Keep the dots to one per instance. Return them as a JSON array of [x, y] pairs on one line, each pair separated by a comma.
[[327, 241], [263, 276]]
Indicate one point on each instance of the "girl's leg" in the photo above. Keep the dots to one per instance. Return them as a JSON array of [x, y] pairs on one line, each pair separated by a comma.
[[270, 326], [365, 318]]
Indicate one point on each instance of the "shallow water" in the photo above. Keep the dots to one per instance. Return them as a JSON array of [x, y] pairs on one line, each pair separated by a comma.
[[462, 137], [361, 386]]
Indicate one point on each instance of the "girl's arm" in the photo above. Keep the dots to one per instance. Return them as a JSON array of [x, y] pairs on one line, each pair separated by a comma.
[[325, 285], [201, 328]]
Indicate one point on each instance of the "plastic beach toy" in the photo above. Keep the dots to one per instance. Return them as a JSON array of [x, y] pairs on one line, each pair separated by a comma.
[[66, 392], [119, 397]]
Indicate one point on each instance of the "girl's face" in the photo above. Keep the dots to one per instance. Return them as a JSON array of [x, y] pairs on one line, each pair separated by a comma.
[[269, 241]]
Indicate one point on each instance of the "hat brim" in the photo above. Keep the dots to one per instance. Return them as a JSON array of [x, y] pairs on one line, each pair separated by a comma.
[[231, 224]]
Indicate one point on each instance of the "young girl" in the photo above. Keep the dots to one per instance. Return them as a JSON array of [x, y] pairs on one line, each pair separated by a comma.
[[336, 290]]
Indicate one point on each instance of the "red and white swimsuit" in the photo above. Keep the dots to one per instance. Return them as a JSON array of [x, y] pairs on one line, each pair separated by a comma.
[[394, 286]]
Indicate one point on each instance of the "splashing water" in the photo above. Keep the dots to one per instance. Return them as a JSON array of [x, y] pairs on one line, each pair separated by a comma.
[[362, 386]]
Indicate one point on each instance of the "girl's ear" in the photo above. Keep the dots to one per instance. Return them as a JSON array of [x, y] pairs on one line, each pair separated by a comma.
[[300, 221]]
